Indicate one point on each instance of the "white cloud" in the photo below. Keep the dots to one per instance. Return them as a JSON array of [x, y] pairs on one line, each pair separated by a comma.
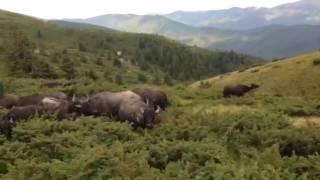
[[87, 8]]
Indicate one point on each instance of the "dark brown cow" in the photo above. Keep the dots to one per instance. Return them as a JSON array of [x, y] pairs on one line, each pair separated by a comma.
[[238, 90], [8, 101], [156, 97], [123, 106], [102, 104]]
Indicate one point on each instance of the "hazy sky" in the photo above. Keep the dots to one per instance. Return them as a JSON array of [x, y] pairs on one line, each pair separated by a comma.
[[55, 9]]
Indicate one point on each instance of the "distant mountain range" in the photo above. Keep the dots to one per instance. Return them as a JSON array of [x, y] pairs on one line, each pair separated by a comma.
[[301, 12], [156, 24], [285, 30]]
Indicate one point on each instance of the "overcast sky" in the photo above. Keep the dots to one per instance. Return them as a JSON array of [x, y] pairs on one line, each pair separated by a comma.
[[57, 9]]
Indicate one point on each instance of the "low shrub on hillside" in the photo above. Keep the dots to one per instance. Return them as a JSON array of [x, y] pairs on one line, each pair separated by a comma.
[[255, 70], [186, 144], [205, 84]]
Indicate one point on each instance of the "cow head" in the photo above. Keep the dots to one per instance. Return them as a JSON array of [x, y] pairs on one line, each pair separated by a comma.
[[80, 105], [148, 116]]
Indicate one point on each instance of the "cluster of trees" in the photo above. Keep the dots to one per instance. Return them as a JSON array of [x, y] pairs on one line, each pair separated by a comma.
[[165, 60], [22, 60], [186, 63]]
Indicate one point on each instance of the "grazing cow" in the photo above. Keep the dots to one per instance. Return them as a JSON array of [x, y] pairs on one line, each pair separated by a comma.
[[22, 113], [238, 90], [8, 101], [156, 97], [36, 99], [47, 106], [102, 104], [122, 105], [136, 112]]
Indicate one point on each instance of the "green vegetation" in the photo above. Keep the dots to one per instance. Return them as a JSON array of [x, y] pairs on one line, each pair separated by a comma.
[[200, 136], [37, 49]]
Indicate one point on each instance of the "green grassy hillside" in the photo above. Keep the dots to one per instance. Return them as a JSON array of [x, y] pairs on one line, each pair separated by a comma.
[[31, 45], [200, 136], [296, 76]]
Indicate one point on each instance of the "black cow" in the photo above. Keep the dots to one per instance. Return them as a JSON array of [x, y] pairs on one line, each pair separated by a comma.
[[156, 97], [238, 90]]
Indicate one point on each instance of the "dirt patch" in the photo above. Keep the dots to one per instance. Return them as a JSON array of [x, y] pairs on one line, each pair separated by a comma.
[[305, 121]]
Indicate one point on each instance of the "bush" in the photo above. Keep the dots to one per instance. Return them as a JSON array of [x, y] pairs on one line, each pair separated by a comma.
[[118, 79], [142, 78], [254, 70], [205, 84], [92, 75]]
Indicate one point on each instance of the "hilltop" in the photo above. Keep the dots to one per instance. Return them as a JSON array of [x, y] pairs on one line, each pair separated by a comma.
[[296, 76]]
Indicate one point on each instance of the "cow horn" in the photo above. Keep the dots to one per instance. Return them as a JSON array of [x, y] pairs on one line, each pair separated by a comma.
[[141, 110], [73, 98], [158, 109]]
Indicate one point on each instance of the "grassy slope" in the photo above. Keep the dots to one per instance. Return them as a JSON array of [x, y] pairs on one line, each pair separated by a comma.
[[296, 76], [157, 52]]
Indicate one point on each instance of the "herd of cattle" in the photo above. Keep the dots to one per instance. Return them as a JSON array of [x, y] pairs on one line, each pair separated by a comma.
[[138, 106]]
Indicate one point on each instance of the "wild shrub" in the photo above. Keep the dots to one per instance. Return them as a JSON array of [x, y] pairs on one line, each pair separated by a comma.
[[142, 78], [205, 84], [255, 70]]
